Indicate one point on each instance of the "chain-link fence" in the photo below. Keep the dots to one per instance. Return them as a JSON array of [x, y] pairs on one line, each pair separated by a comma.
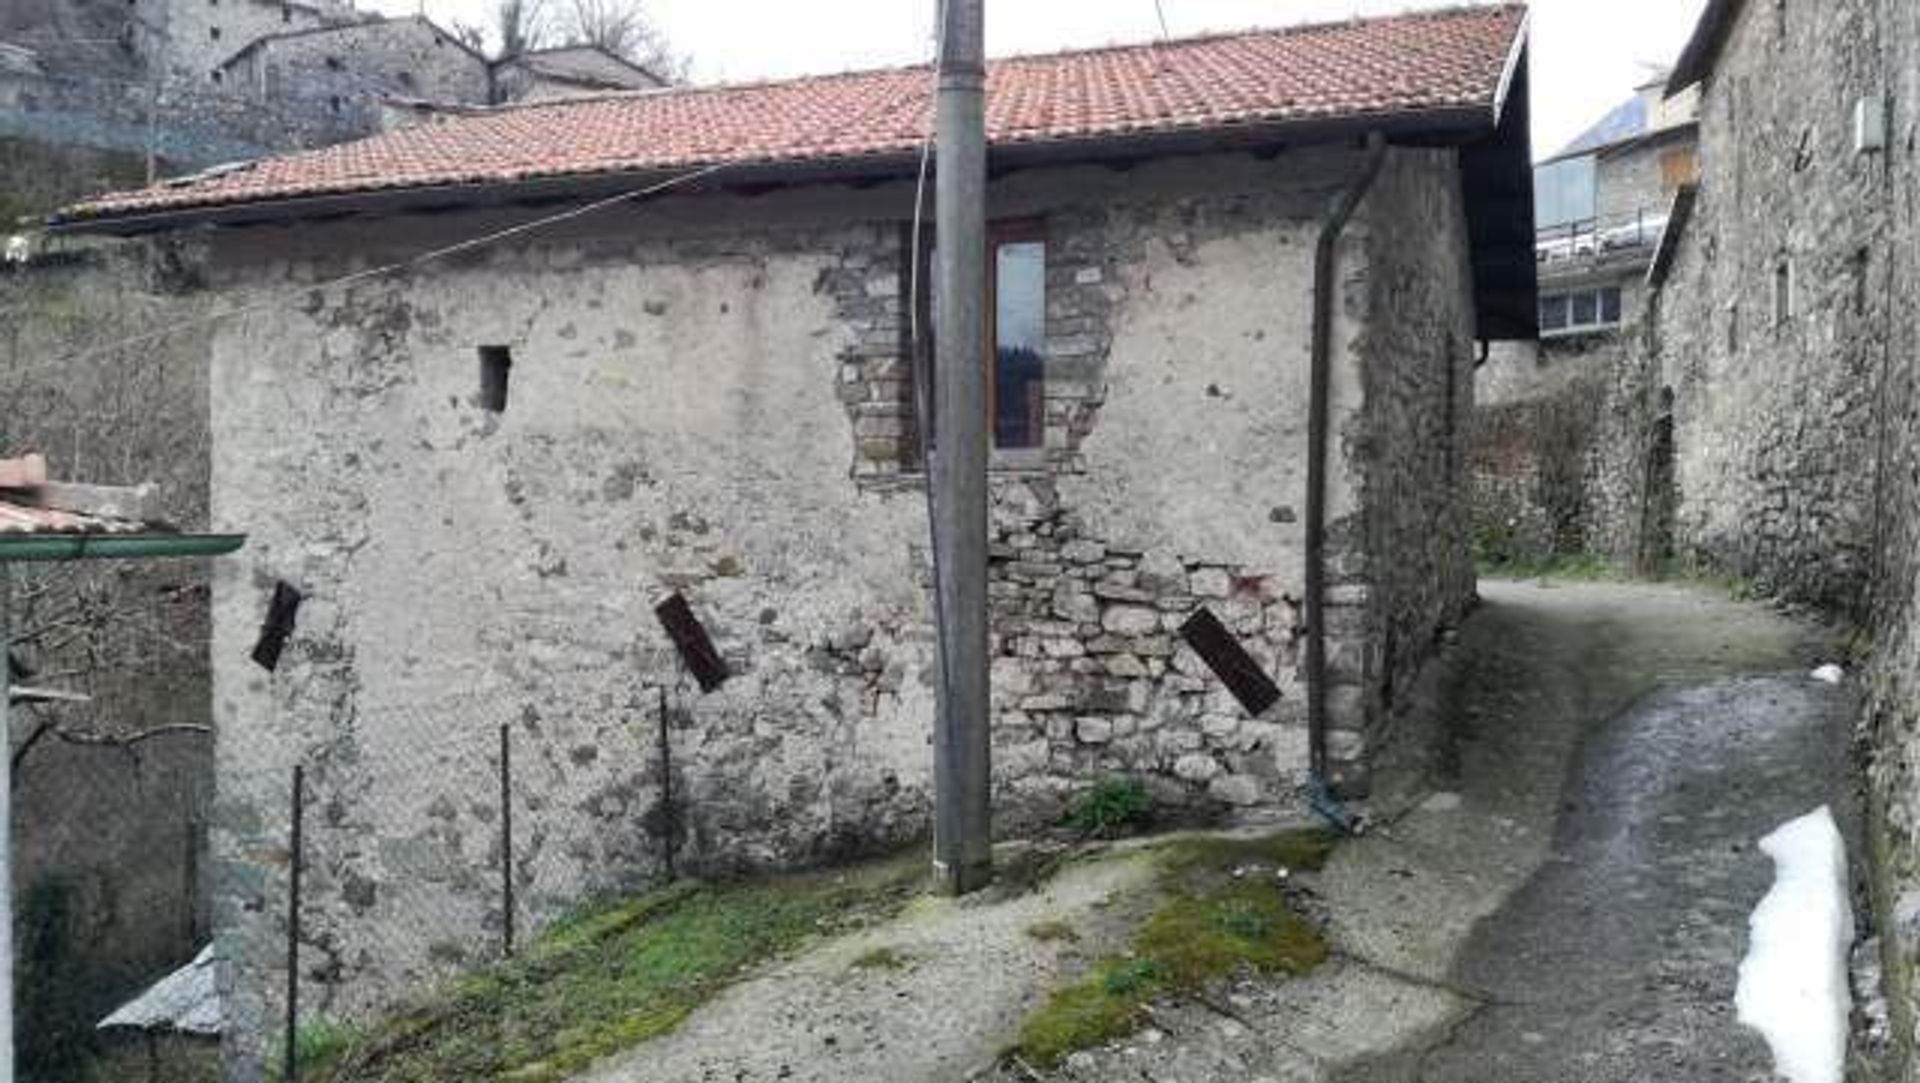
[[425, 841]]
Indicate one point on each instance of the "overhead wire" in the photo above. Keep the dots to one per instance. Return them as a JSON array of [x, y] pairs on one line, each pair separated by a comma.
[[297, 294]]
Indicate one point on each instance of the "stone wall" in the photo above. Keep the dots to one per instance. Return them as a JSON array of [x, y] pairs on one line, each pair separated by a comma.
[[187, 129], [1776, 413], [1403, 576], [344, 73], [1793, 420], [1891, 727], [194, 38], [708, 395]]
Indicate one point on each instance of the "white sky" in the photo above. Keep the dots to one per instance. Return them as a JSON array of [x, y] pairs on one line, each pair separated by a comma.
[[1587, 55]]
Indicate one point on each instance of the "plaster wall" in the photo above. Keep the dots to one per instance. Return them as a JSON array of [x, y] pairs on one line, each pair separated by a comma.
[[707, 396]]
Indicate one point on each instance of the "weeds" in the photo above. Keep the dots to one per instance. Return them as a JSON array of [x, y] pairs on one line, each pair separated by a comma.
[[1111, 808]]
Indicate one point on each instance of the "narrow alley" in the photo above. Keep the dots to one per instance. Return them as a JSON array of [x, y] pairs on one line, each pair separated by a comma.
[[1566, 896]]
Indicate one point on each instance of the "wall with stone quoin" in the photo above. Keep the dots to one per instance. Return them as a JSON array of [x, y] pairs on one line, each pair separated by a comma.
[[711, 394]]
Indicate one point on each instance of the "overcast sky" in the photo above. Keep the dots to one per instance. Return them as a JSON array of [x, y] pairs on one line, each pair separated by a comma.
[[1587, 56]]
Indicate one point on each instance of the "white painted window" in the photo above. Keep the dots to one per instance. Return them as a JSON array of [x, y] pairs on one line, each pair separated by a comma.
[[1579, 311]]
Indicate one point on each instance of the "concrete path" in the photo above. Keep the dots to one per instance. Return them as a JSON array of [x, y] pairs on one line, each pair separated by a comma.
[[1617, 959], [1556, 891]]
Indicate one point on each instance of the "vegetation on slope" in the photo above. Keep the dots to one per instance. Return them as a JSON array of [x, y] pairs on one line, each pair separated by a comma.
[[1224, 912], [614, 977]]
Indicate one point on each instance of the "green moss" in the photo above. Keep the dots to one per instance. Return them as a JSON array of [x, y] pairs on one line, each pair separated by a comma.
[[1210, 924], [1053, 932], [612, 977], [879, 959], [1305, 849]]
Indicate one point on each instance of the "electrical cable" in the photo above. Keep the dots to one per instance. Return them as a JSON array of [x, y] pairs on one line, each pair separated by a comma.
[[922, 375], [298, 294]]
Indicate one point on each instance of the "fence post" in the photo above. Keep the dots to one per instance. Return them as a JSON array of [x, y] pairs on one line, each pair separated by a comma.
[[669, 816], [506, 839], [292, 1054]]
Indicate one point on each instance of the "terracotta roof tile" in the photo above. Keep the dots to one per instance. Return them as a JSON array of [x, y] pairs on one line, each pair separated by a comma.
[[1433, 60]]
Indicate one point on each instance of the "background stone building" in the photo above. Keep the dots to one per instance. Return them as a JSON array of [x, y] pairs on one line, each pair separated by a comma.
[[481, 475], [1544, 461]]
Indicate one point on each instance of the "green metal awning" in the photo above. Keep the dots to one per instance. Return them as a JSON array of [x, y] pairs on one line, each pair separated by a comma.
[[22, 548]]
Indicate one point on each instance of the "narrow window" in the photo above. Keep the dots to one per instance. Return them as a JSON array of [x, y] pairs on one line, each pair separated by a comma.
[[1610, 306], [1783, 292], [334, 63], [334, 103], [1018, 385], [1553, 312], [213, 32], [1733, 329], [1016, 333], [1585, 309], [496, 366], [216, 75], [286, 14]]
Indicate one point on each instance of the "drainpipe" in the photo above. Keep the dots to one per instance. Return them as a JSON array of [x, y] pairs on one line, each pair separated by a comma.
[[1319, 420]]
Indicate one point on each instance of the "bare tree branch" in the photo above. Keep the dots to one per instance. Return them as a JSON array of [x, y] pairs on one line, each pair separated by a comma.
[[523, 25], [623, 27]]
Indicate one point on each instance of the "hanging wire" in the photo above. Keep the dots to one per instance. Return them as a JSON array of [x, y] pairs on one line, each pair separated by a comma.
[[922, 374], [297, 294]]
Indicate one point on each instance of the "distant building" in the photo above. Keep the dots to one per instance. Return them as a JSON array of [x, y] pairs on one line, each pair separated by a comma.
[[1600, 206], [567, 72]]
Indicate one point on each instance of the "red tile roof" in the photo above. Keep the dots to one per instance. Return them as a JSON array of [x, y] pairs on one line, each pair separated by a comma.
[[1407, 64]]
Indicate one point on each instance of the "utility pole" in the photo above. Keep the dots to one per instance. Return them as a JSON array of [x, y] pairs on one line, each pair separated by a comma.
[[962, 824], [6, 825]]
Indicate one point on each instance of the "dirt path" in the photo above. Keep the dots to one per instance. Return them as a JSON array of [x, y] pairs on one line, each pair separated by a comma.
[[1555, 890]]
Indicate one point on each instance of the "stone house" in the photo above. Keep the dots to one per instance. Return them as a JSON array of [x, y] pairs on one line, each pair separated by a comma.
[[1771, 407], [568, 71], [482, 472]]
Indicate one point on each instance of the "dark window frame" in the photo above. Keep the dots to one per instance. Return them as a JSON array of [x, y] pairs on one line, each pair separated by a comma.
[[920, 355]]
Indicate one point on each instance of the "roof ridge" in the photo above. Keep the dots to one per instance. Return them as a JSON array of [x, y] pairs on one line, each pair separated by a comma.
[[693, 90]]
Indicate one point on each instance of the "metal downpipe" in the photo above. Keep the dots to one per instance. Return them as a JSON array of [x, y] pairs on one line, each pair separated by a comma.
[[1319, 421]]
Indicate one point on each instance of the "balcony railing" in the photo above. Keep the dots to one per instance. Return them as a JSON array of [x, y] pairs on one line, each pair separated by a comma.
[[1600, 238]]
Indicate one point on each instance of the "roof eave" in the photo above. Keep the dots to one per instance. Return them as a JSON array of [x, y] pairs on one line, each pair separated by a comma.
[[1440, 125], [1702, 50]]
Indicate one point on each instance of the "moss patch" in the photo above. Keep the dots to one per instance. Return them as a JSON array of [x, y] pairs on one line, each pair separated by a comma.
[[1222, 913], [1053, 932], [879, 959], [612, 977]]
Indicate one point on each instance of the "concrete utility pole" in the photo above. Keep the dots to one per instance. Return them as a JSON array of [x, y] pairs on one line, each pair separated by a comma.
[[6, 826], [962, 825]]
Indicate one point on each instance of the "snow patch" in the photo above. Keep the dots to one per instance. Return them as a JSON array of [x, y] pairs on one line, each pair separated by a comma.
[[1794, 982], [1830, 674]]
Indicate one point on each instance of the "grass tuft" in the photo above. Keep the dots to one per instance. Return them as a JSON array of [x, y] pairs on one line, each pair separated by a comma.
[[1111, 808], [879, 959]]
